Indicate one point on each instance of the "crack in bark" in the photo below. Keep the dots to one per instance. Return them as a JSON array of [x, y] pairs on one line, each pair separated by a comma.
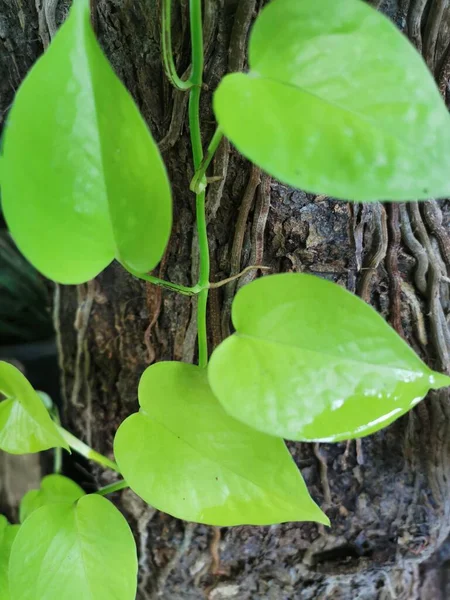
[[380, 236], [392, 269]]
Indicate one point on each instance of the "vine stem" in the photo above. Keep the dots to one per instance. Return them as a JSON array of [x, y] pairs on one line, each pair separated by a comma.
[[58, 459], [199, 182], [113, 487], [174, 287], [202, 299], [54, 415], [195, 14], [167, 52], [86, 450], [201, 163], [196, 289], [195, 9]]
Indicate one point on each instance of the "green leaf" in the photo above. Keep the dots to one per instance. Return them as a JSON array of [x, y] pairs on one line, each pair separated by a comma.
[[185, 456], [74, 551], [55, 489], [82, 179], [310, 361], [7, 535], [25, 425], [338, 102]]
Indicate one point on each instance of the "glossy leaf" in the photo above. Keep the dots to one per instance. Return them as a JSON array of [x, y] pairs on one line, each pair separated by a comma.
[[72, 551], [7, 535], [81, 177], [55, 489], [338, 102], [310, 361], [185, 456], [25, 425]]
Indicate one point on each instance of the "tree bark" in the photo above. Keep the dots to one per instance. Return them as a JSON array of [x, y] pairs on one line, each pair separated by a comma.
[[387, 495]]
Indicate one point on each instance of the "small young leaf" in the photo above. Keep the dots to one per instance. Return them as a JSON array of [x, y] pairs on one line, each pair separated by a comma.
[[82, 179], [25, 425], [74, 551], [7, 535], [338, 102], [184, 455], [310, 361], [54, 490]]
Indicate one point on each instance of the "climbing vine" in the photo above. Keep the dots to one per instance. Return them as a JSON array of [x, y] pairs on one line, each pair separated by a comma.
[[83, 183]]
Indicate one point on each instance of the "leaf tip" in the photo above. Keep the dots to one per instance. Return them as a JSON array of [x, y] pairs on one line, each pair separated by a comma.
[[313, 514], [324, 520], [320, 517], [438, 380]]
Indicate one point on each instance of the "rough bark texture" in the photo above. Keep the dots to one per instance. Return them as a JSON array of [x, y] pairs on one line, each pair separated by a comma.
[[387, 495]]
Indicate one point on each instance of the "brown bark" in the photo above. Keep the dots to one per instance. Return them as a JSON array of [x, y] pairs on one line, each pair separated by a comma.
[[387, 495]]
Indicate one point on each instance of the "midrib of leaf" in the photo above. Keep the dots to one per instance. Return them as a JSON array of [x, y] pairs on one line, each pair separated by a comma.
[[367, 121], [331, 355], [86, 35], [23, 406], [222, 466]]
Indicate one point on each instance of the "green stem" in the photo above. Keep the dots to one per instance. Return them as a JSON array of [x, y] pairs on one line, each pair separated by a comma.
[[54, 414], [57, 458], [87, 451], [175, 287], [195, 15], [112, 487], [57, 461], [202, 299], [194, 125], [198, 182], [167, 53], [195, 8]]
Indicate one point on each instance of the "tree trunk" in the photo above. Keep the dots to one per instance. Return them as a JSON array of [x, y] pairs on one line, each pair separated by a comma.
[[386, 495]]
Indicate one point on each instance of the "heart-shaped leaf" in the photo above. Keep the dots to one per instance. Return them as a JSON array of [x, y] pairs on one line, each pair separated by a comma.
[[7, 535], [337, 102], [82, 179], [72, 551], [55, 489], [310, 361], [185, 456], [25, 425]]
